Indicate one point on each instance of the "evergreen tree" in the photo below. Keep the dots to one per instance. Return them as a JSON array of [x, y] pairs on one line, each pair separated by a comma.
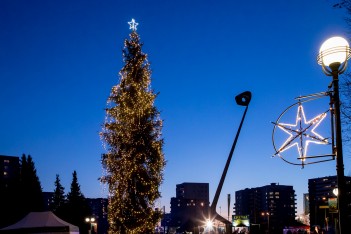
[[31, 191], [59, 198], [76, 208], [134, 160]]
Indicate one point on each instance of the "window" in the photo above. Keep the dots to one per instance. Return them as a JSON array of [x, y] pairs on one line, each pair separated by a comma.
[[6, 161]]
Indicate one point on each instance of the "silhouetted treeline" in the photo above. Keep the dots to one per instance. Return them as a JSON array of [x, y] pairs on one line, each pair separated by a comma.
[[24, 195], [72, 207]]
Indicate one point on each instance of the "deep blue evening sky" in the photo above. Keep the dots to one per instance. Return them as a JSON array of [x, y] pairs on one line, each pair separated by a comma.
[[59, 60]]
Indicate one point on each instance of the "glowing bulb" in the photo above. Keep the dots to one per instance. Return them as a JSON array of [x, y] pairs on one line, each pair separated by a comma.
[[334, 50], [209, 224], [336, 191]]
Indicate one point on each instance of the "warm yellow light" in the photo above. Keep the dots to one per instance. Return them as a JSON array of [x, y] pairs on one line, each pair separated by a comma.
[[92, 220], [334, 50], [87, 220]]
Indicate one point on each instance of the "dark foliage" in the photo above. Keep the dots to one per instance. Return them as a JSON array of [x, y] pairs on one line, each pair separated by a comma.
[[76, 208], [30, 189], [59, 198], [345, 82]]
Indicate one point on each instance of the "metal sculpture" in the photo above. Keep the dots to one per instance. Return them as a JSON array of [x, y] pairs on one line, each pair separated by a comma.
[[242, 99]]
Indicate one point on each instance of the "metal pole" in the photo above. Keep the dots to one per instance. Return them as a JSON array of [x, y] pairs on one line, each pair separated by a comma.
[[242, 99], [339, 155]]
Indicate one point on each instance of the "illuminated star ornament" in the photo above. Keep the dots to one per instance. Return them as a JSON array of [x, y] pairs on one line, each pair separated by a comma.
[[302, 133], [133, 25]]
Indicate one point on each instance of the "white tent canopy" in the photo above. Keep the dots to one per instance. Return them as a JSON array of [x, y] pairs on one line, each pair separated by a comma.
[[41, 222]]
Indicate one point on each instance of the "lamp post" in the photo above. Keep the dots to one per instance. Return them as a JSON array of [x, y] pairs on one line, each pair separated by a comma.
[[266, 214], [333, 56], [91, 221]]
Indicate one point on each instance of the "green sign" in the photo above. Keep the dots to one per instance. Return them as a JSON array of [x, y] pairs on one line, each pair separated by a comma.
[[333, 205], [241, 220]]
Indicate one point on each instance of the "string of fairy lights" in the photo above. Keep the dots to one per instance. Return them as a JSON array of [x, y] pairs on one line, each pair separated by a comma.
[[133, 162]]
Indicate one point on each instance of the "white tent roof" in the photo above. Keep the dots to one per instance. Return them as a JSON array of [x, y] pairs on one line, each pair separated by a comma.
[[44, 221]]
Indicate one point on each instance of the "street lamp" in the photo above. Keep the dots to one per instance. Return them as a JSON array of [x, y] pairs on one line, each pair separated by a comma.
[[91, 221], [333, 56], [266, 214]]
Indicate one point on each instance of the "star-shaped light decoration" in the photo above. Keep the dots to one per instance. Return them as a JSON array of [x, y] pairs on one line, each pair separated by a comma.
[[302, 133], [133, 25]]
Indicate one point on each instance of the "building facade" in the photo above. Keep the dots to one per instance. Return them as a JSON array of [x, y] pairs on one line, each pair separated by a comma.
[[190, 206], [98, 208], [323, 201], [271, 207], [9, 173], [9, 184]]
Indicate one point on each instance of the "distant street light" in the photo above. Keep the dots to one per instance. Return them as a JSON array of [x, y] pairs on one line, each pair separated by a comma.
[[333, 56], [266, 214], [91, 221]]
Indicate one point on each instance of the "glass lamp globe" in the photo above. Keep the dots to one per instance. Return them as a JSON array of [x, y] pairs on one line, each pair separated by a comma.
[[334, 50], [336, 191]]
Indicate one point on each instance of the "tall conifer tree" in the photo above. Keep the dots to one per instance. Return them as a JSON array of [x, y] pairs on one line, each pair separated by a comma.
[[31, 191], [76, 208], [59, 197], [134, 160]]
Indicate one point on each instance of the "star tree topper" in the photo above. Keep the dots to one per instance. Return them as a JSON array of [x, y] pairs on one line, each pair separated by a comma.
[[133, 25], [302, 133]]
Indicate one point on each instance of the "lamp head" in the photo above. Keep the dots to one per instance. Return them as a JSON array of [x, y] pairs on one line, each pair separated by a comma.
[[334, 54], [243, 99]]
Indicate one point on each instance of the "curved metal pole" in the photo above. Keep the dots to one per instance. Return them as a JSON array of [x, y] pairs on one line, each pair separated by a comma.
[[242, 99]]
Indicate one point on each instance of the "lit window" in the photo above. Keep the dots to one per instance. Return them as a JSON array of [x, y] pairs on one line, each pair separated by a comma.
[[5, 173], [6, 161]]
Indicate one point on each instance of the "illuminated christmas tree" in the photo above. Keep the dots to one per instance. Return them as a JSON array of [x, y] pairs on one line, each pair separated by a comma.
[[134, 160]]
